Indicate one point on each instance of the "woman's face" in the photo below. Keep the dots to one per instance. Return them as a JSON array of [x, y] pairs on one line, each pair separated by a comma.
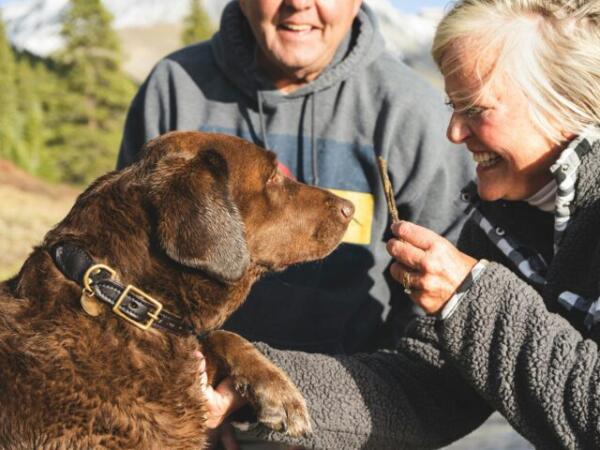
[[298, 38], [513, 158]]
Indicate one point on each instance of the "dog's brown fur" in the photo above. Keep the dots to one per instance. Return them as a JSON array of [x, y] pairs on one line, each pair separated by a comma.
[[193, 224]]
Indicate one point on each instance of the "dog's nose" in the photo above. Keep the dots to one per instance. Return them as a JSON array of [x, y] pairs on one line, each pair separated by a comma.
[[347, 210]]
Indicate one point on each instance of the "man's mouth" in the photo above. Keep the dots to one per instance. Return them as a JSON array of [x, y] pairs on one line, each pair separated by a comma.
[[295, 27], [486, 159]]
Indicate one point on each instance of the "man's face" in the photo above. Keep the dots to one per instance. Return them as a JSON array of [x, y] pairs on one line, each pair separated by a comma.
[[298, 38]]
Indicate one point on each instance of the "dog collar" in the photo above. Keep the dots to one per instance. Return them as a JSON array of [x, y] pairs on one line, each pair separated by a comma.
[[128, 302]]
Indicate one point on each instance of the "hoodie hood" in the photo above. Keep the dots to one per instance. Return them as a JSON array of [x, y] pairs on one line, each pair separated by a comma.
[[234, 50]]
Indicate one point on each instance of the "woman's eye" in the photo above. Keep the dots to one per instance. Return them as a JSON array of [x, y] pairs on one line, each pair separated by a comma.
[[471, 112], [474, 111]]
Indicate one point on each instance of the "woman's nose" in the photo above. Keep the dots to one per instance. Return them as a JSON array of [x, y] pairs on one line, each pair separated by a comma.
[[458, 130]]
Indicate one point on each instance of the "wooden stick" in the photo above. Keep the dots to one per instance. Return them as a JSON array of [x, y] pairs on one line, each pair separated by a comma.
[[388, 189]]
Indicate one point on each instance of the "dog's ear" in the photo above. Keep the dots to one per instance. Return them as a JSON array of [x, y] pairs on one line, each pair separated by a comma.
[[199, 225]]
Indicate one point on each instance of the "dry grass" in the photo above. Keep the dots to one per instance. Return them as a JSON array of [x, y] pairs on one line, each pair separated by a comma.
[[28, 209]]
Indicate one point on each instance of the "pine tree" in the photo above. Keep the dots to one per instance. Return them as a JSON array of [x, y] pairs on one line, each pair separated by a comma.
[[30, 126], [197, 24], [9, 145], [92, 108], [49, 89]]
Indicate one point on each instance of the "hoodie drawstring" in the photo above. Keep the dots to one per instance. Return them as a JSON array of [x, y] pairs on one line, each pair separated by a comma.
[[261, 118], [313, 141]]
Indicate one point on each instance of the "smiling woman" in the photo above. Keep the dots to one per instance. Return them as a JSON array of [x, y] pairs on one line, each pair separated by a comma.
[[513, 156], [521, 88]]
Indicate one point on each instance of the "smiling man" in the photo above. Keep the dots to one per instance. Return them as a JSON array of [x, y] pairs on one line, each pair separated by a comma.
[[311, 80], [296, 43]]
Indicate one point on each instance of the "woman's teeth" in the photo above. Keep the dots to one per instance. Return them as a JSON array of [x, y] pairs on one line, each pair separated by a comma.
[[486, 159]]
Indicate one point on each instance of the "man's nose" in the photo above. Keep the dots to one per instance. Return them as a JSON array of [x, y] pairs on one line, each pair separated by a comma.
[[458, 130], [299, 4]]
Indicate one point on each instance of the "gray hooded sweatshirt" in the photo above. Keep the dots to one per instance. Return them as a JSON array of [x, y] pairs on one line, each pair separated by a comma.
[[329, 133]]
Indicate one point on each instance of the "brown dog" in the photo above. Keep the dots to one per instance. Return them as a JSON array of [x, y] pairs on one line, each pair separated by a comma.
[[87, 363]]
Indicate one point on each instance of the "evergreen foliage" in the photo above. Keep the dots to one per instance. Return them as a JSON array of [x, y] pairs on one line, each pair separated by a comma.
[[197, 24], [30, 118], [96, 97], [9, 142], [62, 118]]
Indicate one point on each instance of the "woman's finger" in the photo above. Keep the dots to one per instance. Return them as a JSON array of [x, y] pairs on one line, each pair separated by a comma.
[[406, 253], [220, 401], [408, 278], [397, 271], [416, 235], [230, 396]]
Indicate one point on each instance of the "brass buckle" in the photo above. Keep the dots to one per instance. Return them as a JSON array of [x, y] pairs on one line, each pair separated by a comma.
[[92, 270], [153, 315], [87, 288]]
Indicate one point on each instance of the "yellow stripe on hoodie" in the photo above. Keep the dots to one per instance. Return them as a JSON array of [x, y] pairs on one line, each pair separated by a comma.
[[359, 230]]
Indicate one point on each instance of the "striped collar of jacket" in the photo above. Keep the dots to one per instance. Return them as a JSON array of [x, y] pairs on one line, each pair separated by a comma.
[[565, 171], [530, 263]]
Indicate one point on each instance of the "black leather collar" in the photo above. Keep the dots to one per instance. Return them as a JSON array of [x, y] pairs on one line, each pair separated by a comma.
[[128, 302]]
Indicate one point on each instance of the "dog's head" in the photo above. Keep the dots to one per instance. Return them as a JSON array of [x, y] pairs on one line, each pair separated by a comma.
[[222, 204], [212, 203]]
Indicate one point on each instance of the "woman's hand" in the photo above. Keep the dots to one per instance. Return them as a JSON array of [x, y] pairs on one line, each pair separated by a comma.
[[429, 267], [220, 401]]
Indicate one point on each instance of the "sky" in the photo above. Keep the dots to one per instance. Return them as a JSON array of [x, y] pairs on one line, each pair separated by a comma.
[[405, 5], [412, 6]]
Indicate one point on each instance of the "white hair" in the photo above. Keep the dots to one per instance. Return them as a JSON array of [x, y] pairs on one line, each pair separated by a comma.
[[550, 49]]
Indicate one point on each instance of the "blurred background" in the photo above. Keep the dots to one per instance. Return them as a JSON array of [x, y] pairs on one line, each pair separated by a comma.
[[68, 71]]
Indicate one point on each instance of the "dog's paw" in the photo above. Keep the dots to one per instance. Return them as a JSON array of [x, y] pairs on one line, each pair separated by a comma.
[[278, 404]]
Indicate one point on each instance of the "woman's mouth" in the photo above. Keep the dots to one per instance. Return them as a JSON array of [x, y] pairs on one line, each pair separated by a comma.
[[486, 159]]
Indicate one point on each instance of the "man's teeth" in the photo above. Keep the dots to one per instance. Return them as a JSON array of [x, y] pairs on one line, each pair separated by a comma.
[[486, 159], [294, 27]]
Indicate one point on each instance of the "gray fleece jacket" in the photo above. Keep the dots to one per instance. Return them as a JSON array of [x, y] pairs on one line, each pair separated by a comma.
[[329, 132], [527, 350]]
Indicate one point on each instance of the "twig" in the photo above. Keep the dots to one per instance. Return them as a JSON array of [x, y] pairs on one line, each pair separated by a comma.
[[388, 189]]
